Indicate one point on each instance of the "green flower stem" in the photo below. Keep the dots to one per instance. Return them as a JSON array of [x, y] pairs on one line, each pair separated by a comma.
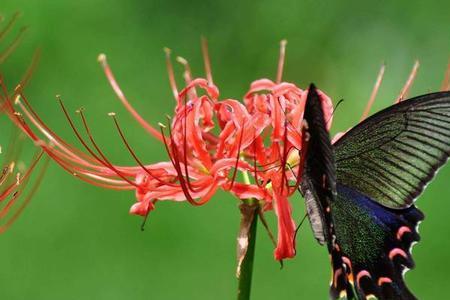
[[246, 271]]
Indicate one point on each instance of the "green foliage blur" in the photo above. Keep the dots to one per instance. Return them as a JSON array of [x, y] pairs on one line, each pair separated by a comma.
[[77, 241]]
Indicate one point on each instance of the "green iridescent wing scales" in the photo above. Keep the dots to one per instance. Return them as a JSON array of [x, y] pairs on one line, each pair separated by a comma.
[[392, 155]]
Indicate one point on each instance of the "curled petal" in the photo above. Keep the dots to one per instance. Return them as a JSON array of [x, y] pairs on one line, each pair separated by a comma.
[[286, 88], [247, 191], [142, 208], [259, 85]]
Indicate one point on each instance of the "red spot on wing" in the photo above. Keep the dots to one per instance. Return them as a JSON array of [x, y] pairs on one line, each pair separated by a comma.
[[402, 230], [397, 251], [383, 280], [362, 274]]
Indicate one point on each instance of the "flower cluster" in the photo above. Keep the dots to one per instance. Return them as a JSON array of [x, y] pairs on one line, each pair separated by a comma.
[[252, 148]]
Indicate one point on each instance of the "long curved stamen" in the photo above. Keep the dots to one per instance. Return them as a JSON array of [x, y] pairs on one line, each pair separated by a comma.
[[20, 181], [281, 60], [28, 72], [6, 171], [87, 175], [30, 195], [255, 170], [173, 84], [74, 154], [3, 89], [187, 69], [206, 60], [176, 153], [77, 133], [105, 160], [69, 153], [176, 165], [118, 91], [59, 157], [409, 82], [374, 93], [284, 180], [10, 49], [15, 148], [184, 128], [187, 76], [94, 155], [233, 178], [9, 26], [133, 154], [446, 82], [104, 163], [185, 162]]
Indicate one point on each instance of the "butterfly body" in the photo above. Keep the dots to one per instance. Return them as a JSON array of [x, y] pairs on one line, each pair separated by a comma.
[[364, 187]]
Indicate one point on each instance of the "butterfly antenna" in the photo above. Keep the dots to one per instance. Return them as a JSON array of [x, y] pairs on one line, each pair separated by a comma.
[[334, 110]]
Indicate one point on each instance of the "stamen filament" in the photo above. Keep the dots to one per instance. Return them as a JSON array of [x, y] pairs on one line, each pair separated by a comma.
[[133, 154], [172, 82], [409, 82], [118, 91], [9, 26], [105, 160], [281, 60], [446, 82], [374, 93], [206, 61], [10, 49]]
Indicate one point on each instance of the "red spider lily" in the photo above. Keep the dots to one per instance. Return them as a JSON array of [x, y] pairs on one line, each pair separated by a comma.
[[259, 140], [14, 176]]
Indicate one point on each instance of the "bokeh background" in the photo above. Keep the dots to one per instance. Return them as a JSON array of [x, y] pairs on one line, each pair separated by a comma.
[[76, 241]]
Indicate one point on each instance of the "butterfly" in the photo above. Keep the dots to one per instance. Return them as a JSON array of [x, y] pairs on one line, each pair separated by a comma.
[[360, 191]]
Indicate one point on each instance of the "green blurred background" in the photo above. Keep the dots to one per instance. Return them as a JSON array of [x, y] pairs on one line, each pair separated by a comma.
[[77, 241]]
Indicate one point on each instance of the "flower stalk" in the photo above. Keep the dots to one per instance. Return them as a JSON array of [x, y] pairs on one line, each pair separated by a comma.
[[247, 238]]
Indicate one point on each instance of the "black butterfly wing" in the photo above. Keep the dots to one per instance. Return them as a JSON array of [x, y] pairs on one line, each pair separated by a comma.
[[382, 166], [392, 155], [319, 186], [319, 180]]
